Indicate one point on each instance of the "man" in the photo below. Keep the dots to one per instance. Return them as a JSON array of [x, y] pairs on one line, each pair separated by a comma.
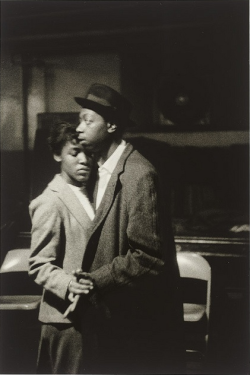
[[134, 316], [61, 217]]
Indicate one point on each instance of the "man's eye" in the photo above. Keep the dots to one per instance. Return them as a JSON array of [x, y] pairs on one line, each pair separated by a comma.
[[87, 120], [74, 153]]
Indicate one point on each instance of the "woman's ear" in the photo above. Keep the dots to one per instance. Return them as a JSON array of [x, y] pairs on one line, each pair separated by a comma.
[[57, 158], [111, 127]]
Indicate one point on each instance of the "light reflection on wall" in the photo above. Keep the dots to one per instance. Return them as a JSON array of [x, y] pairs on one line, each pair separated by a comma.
[[53, 83]]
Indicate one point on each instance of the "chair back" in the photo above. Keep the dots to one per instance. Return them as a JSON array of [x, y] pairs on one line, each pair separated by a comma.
[[15, 281], [16, 260], [194, 266]]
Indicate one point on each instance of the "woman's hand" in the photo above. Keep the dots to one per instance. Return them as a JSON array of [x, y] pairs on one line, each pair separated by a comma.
[[81, 283]]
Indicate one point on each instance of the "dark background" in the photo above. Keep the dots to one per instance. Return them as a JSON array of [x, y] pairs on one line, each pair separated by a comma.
[[200, 49]]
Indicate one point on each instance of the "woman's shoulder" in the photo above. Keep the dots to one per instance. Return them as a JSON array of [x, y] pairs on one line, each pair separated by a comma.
[[47, 198]]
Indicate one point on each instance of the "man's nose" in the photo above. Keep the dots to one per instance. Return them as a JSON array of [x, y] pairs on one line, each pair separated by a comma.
[[80, 128]]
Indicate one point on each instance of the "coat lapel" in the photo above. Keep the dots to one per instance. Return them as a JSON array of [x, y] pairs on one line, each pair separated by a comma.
[[70, 200], [110, 191]]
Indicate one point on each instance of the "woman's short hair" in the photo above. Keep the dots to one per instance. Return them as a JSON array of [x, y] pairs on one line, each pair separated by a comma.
[[60, 134]]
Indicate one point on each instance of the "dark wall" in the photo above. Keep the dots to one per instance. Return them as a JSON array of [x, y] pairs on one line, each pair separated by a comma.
[[177, 41], [180, 41]]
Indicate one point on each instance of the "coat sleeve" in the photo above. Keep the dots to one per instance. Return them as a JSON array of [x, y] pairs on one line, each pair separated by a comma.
[[144, 255], [45, 263]]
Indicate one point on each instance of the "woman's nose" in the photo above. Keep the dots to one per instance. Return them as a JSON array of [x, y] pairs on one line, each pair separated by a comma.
[[83, 159]]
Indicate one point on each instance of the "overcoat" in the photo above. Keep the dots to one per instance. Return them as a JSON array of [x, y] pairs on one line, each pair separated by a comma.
[[134, 314], [60, 227]]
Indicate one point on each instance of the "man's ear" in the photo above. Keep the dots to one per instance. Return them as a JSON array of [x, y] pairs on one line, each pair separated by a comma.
[[111, 127], [57, 158]]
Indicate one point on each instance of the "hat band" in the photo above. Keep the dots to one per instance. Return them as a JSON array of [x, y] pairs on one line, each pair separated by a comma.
[[98, 100]]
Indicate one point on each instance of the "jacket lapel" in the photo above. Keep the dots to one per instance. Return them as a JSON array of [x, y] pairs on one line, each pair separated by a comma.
[[69, 199], [110, 191]]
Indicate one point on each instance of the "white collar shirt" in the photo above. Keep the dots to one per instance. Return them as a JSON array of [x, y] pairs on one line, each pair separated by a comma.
[[82, 195], [105, 171]]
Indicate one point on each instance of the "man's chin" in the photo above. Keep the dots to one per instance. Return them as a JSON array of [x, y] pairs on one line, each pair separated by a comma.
[[85, 145], [83, 179]]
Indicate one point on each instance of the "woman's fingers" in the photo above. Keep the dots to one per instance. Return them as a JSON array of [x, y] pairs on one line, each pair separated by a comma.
[[79, 274], [71, 297], [81, 287], [86, 283]]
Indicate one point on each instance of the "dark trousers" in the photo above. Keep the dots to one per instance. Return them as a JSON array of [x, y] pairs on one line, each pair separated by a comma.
[[60, 350]]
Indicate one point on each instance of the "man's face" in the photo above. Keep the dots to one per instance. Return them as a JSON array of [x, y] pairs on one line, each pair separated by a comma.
[[75, 163], [93, 131]]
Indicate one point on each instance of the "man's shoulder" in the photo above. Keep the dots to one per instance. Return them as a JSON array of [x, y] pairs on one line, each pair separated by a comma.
[[137, 169], [138, 164]]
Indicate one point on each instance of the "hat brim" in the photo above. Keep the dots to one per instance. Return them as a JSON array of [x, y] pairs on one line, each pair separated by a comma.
[[108, 113], [102, 110]]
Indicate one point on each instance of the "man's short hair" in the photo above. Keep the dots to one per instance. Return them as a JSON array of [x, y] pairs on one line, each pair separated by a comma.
[[60, 134]]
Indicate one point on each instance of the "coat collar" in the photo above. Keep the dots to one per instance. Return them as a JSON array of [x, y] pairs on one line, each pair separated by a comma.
[[69, 199], [110, 190]]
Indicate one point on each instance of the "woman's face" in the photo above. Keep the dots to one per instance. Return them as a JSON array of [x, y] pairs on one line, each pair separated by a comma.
[[75, 163]]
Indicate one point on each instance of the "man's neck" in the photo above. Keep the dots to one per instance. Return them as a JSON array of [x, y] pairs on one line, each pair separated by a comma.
[[105, 154]]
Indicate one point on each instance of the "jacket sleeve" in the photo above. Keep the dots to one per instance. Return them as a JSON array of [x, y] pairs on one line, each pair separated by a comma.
[[46, 247], [144, 255]]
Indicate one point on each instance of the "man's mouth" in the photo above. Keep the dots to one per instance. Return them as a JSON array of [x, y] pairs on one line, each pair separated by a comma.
[[84, 170]]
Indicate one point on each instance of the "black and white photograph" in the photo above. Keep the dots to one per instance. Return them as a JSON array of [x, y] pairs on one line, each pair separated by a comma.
[[124, 187]]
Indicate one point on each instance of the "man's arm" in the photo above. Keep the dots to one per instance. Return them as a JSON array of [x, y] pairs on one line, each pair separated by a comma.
[[144, 255]]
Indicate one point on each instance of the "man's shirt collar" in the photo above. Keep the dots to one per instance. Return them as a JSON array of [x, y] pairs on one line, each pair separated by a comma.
[[112, 161]]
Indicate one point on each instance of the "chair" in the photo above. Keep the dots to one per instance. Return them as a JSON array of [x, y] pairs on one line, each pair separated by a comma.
[[19, 302], [195, 275], [18, 291]]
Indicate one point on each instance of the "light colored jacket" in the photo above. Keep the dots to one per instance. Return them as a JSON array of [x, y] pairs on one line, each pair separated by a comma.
[[59, 234]]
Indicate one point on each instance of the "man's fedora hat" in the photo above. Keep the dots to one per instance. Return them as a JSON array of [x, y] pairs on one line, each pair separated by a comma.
[[108, 103]]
